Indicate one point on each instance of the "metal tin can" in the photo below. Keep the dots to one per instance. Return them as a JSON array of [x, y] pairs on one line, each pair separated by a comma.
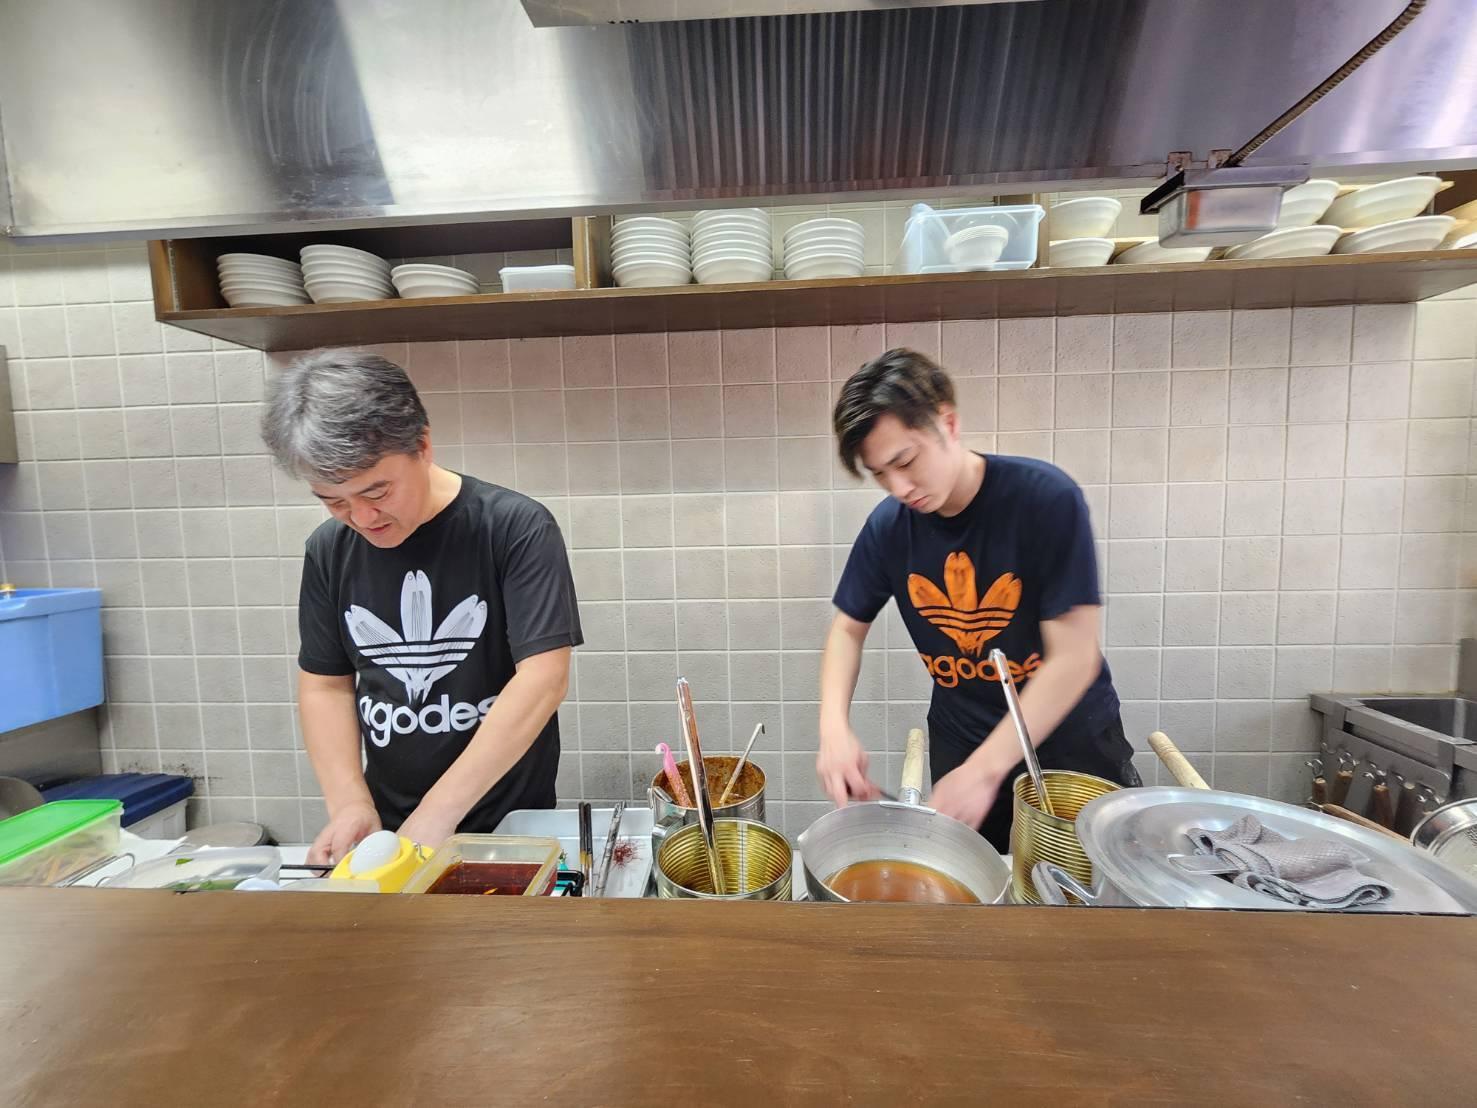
[[757, 860], [668, 816]]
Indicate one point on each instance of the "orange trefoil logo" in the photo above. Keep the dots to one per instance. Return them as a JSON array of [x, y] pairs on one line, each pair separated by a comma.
[[958, 611]]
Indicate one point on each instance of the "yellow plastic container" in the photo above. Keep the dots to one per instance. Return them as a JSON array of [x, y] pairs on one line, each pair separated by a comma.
[[390, 876]]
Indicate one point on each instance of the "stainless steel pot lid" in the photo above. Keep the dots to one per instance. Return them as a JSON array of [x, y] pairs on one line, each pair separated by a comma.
[[1133, 835]]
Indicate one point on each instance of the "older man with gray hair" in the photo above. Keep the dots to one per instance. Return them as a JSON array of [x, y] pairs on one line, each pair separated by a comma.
[[437, 615]]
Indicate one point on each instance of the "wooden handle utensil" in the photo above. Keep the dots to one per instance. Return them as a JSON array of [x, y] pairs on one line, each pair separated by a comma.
[[1178, 765], [1340, 812], [910, 791]]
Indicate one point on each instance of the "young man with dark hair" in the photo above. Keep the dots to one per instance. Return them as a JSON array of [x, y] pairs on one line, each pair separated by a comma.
[[980, 552]]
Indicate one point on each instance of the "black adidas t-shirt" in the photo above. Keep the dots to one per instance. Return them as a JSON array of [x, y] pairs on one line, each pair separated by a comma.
[[432, 630], [1020, 553]]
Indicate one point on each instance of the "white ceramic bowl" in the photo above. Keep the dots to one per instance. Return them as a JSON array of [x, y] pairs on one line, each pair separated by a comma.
[[824, 267], [1303, 205], [1084, 217], [364, 257], [264, 298], [345, 265], [637, 245], [267, 283], [674, 233], [1386, 202], [429, 289], [424, 279], [810, 253], [426, 269], [342, 292], [810, 242], [1460, 239], [256, 259], [748, 261], [651, 275], [1290, 242], [283, 272], [259, 263], [976, 247], [731, 271], [717, 215], [1149, 253], [632, 222], [731, 234], [1422, 233], [826, 225], [651, 257], [1079, 253]]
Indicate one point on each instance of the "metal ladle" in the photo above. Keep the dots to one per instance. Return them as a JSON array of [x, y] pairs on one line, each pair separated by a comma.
[[1028, 749]]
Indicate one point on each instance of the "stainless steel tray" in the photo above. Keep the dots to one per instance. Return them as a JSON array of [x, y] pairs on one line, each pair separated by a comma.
[[628, 881], [1133, 835]]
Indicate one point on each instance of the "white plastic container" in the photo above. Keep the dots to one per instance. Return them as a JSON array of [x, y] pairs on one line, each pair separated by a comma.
[[166, 823], [923, 249], [536, 278]]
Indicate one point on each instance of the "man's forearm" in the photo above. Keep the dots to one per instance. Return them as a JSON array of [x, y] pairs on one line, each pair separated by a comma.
[[841, 664], [331, 736], [1053, 691], [510, 727]]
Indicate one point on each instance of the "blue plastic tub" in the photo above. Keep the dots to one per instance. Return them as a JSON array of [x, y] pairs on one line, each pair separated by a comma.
[[51, 654]]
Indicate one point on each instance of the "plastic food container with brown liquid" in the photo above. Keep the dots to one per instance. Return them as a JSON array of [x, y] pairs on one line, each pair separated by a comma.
[[489, 865]]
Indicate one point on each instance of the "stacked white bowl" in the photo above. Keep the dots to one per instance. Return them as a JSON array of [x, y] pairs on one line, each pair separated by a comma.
[[417, 279], [260, 281], [340, 274], [826, 247], [732, 245], [647, 251]]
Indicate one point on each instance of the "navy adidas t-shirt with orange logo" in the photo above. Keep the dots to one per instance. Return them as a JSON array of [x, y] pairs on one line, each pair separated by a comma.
[[985, 579]]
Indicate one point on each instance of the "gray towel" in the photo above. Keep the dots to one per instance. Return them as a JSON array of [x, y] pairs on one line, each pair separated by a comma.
[[1311, 872]]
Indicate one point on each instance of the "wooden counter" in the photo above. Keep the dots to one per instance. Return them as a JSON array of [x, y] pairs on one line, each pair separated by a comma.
[[113, 997]]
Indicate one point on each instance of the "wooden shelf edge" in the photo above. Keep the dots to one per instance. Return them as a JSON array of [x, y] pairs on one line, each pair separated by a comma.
[[1219, 284]]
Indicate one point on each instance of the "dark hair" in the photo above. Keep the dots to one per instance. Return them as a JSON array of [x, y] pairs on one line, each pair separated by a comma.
[[335, 413], [903, 383]]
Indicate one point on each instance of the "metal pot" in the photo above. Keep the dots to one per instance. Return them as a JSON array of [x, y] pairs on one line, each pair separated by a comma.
[[756, 862], [667, 816], [1450, 833], [901, 830], [1133, 836]]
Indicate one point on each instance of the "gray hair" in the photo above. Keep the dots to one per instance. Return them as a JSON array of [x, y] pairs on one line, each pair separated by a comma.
[[335, 413]]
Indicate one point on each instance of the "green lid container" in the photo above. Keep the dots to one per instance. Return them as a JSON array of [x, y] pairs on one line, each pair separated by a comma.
[[57, 839]]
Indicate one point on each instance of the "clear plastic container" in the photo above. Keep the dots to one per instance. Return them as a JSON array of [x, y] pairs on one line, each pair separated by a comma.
[[46, 845], [210, 870], [536, 278], [530, 862], [927, 234]]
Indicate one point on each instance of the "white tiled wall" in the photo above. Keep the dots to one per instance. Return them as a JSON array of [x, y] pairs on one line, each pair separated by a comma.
[[1282, 501]]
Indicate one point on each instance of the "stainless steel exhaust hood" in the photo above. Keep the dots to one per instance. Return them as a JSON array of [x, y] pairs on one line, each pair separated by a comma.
[[157, 117], [579, 13]]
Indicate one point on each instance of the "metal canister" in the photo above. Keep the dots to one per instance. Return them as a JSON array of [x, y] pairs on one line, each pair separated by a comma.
[[757, 861], [1038, 837], [668, 816]]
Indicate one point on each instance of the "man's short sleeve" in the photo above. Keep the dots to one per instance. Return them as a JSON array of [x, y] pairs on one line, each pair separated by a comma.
[[1068, 557], [863, 589], [322, 650], [538, 592]]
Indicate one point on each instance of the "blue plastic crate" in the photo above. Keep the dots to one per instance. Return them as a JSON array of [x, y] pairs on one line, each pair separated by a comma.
[[51, 654]]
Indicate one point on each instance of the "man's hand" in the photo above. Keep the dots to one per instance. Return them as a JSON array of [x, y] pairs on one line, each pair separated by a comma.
[[349, 826], [428, 827], [966, 793], [841, 766]]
